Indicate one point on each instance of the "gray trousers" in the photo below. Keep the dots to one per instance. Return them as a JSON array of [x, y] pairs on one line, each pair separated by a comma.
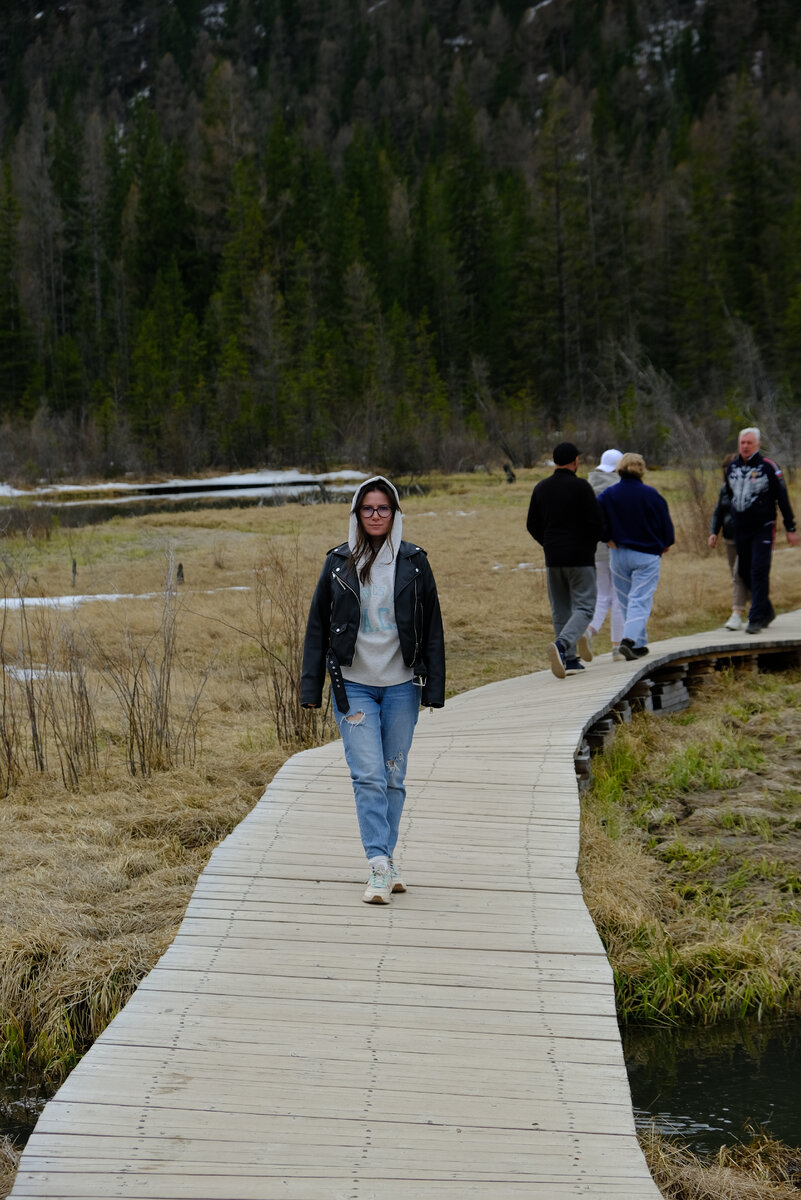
[[572, 592]]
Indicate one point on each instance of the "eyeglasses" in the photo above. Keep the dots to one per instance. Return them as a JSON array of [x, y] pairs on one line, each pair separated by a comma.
[[367, 510]]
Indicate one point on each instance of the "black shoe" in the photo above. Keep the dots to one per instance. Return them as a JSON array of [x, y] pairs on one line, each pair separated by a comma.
[[630, 651], [574, 664], [754, 627]]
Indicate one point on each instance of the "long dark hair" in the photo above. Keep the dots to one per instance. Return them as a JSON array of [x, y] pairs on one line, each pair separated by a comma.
[[364, 553]]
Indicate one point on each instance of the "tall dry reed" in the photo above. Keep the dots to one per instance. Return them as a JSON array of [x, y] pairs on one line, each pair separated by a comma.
[[142, 675], [280, 605]]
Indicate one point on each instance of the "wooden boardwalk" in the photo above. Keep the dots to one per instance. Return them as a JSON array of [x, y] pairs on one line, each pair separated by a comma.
[[294, 1042]]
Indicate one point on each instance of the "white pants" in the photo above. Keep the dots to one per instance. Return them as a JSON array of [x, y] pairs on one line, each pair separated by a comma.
[[607, 598]]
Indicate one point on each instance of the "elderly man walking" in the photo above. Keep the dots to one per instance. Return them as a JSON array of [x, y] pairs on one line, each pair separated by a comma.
[[564, 517], [756, 486]]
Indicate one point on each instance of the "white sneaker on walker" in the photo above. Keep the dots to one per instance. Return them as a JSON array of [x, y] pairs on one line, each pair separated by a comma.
[[398, 884], [735, 621], [379, 885], [584, 646]]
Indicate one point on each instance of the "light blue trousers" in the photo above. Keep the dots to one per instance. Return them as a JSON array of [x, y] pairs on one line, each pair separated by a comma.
[[635, 576], [377, 733]]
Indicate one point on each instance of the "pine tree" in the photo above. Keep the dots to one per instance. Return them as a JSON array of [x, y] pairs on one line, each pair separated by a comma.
[[16, 349]]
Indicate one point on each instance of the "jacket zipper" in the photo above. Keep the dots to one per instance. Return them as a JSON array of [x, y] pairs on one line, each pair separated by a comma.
[[346, 587]]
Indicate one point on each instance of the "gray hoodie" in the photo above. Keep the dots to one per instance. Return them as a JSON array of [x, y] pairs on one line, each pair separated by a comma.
[[378, 659], [599, 481]]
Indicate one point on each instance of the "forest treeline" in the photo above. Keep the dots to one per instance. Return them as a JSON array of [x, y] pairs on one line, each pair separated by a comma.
[[409, 233]]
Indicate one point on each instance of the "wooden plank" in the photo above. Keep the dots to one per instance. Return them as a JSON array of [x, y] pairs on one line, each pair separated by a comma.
[[226, 1024]]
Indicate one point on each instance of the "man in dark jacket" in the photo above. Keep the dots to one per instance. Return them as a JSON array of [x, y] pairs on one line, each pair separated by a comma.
[[756, 486], [564, 517]]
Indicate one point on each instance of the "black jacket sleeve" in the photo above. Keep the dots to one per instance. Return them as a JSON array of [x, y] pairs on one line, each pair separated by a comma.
[[315, 645], [783, 500], [720, 510], [534, 519], [433, 642]]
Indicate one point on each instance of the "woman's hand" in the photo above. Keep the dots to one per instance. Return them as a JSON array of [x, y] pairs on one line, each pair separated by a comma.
[[712, 541]]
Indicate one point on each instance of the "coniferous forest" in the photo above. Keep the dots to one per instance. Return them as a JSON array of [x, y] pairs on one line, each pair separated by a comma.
[[407, 232]]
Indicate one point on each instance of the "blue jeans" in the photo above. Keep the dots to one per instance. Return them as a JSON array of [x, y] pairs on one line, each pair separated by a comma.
[[635, 576], [377, 733]]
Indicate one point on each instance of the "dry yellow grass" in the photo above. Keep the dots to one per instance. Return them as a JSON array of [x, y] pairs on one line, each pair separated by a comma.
[[9, 1160], [96, 878], [761, 1170]]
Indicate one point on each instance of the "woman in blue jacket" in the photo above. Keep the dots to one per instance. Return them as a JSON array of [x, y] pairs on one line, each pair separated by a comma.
[[375, 624], [638, 530]]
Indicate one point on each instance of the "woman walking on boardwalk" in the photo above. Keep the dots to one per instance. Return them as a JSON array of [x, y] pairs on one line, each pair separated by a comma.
[[722, 523], [638, 530], [600, 479], [375, 623]]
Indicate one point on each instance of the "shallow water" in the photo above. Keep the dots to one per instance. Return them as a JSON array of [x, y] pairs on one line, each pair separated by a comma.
[[19, 1109], [714, 1087], [76, 505]]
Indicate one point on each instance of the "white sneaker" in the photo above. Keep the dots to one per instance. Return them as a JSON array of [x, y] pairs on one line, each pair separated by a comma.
[[379, 886], [618, 655], [398, 884], [584, 646], [735, 621]]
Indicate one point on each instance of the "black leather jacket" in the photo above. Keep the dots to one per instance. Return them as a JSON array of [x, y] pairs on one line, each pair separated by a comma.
[[335, 616]]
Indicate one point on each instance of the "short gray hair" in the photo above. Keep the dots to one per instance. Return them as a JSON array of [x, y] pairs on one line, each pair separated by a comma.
[[750, 429]]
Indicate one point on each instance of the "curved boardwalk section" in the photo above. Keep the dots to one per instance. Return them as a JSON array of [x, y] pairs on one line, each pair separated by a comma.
[[296, 1043]]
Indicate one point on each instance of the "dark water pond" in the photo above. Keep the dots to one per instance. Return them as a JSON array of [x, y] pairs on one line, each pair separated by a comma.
[[713, 1087], [20, 1106]]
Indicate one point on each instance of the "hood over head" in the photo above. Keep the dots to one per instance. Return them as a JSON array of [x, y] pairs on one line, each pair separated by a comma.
[[396, 528]]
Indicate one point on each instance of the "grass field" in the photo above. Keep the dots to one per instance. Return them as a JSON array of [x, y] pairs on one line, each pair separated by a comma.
[[183, 686]]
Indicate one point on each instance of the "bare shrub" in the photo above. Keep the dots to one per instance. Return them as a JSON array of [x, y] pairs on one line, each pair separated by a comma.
[[695, 454], [281, 600], [37, 522], [49, 690], [45, 693], [143, 678], [71, 710], [10, 765]]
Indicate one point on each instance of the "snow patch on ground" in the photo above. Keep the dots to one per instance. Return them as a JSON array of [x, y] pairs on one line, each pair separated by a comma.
[[16, 602]]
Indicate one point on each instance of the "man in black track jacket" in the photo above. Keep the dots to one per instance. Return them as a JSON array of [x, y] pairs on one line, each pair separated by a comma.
[[565, 518], [756, 486]]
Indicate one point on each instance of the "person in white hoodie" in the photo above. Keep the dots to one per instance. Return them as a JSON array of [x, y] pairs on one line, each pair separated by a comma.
[[375, 623], [604, 476]]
